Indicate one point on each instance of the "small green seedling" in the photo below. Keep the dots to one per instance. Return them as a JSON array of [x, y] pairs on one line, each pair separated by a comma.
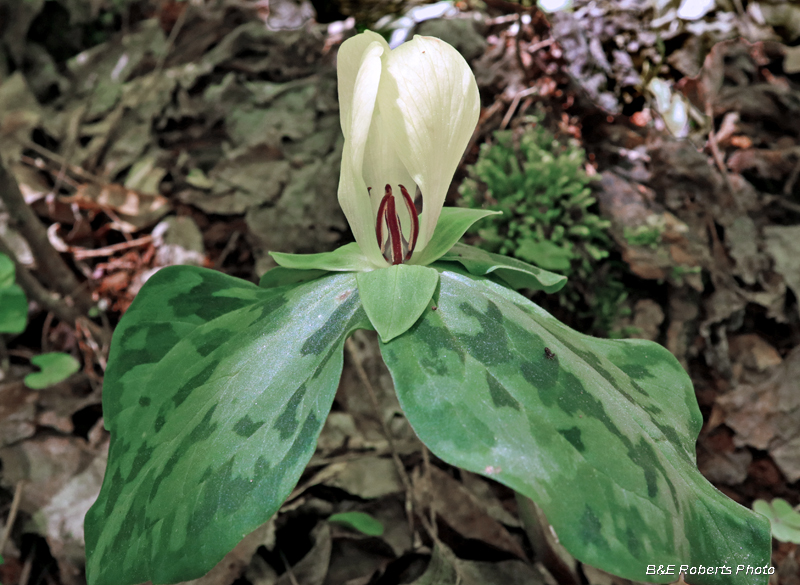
[[217, 389], [360, 521], [784, 519], [55, 367]]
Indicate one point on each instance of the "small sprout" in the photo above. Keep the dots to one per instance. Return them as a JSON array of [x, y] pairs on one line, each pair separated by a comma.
[[359, 521], [548, 353], [784, 519], [55, 368]]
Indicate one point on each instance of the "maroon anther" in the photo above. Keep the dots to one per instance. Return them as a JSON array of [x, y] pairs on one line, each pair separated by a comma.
[[397, 249], [412, 211]]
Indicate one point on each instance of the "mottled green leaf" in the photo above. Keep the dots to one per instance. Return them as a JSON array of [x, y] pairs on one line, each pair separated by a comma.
[[784, 519], [360, 521], [395, 297], [348, 258], [515, 273], [600, 433], [215, 394], [55, 367], [13, 304], [453, 222], [280, 276]]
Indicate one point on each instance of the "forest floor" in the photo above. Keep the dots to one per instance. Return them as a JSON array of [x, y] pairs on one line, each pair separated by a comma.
[[147, 134]]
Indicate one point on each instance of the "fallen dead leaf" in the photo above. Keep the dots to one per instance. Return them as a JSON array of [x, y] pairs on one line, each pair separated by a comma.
[[767, 415], [462, 511]]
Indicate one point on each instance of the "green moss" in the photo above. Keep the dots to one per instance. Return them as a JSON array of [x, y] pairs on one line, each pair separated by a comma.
[[643, 235], [549, 218]]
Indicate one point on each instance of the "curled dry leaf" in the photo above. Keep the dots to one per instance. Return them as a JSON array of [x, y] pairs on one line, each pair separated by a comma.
[[767, 415]]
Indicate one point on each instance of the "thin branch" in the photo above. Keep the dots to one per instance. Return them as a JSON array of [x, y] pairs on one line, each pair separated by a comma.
[[12, 515], [401, 470], [52, 267], [47, 300]]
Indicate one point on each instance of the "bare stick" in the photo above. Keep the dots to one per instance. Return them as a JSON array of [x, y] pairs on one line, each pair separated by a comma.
[[401, 470], [47, 300], [12, 515], [53, 268]]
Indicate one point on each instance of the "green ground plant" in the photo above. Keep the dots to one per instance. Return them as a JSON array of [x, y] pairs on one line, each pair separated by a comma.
[[217, 389], [540, 186], [55, 367]]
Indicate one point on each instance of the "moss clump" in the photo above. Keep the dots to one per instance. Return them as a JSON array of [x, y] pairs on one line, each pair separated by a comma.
[[540, 185]]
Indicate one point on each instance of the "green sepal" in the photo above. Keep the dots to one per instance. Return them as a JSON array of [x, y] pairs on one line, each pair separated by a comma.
[[395, 297], [600, 433], [13, 304], [453, 223], [215, 393], [516, 273], [280, 276], [347, 258]]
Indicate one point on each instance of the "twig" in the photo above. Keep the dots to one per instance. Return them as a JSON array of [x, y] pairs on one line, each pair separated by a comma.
[[83, 253], [789, 186], [12, 515], [401, 470], [426, 466], [50, 263], [292, 578], [47, 300], [514, 103], [540, 45], [787, 204], [716, 154], [229, 247], [25, 575], [48, 321], [518, 48]]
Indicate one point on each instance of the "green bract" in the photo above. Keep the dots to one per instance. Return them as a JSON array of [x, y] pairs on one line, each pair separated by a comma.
[[217, 389]]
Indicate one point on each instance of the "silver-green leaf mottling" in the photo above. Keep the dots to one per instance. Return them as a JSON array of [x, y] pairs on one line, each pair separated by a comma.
[[599, 433], [215, 395]]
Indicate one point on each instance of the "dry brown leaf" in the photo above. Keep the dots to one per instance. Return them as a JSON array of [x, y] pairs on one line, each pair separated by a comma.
[[462, 511], [766, 415], [139, 210]]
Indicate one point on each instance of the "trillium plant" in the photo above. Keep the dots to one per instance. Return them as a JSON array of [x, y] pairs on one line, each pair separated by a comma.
[[217, 389]]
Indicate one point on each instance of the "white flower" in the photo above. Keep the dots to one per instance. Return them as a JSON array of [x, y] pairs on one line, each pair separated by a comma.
[[407, 115]]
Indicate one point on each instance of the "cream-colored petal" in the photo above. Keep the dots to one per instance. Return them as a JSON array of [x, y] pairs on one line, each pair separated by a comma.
[[382, 166], [429, 100], [359, 69], [349, 62], [355, 203]]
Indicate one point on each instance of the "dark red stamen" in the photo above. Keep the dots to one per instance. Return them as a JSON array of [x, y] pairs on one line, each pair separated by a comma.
[[393, 223], [381, 211], [412, 211]]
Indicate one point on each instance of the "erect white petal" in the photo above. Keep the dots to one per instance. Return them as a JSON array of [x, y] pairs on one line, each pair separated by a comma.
[[382, 166], [430, 103], [359, 71]]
